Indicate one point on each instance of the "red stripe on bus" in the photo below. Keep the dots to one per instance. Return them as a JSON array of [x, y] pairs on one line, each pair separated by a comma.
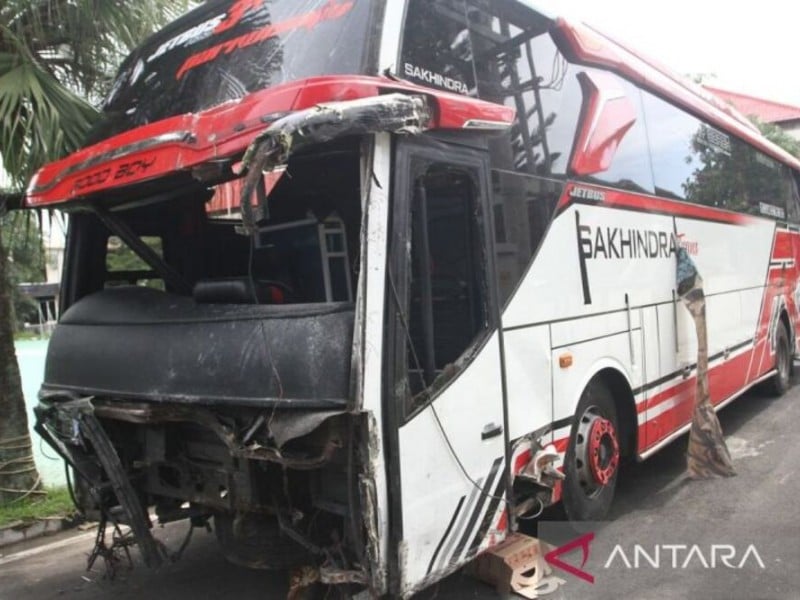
[[521, 461], [561, 445], [652, 204]]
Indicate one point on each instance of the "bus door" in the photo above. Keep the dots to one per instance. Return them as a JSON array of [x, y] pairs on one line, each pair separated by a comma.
[[443, 395]]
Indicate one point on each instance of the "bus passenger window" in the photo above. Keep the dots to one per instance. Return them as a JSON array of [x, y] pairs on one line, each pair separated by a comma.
[[518, 64], [762, 182], [523, 208], [793, 201], [447, 295], [696, 162]]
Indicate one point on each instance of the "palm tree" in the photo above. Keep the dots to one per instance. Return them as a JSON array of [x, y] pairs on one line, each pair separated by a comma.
[[57, 59]]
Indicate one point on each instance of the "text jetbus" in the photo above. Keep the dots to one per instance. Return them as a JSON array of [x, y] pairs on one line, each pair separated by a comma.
[[451, 281]]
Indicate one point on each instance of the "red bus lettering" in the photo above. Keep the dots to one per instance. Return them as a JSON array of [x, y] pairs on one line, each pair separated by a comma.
[[330, 12], [236, 13]]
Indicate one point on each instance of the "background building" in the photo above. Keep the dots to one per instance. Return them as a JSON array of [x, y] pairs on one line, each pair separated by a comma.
[[785, 116]]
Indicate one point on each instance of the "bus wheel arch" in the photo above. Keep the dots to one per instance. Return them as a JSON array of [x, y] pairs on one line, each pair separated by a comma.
[[602, 433], [625, 403], [779, 383]]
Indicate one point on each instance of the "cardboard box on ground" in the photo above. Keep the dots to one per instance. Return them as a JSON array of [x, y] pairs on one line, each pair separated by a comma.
[[516, 565]]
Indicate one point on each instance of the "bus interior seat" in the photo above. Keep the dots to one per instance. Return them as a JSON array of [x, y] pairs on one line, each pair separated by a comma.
[[239, 290]]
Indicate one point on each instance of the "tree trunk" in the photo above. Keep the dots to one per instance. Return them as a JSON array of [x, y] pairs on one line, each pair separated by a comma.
[[18, 474]]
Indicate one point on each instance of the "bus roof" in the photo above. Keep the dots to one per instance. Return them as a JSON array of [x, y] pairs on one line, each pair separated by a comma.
[[593, 48], [178, 142], [184, 142]]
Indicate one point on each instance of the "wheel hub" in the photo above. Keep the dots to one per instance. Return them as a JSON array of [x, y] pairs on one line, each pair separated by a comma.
[[596, 452], [603, 450]]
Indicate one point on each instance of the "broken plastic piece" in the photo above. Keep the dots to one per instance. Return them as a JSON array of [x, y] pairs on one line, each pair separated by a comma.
[[107, 466], [541, 469], [393, 113]]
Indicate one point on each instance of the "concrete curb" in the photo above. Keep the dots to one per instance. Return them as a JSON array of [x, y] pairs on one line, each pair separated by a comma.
[[21, 531]]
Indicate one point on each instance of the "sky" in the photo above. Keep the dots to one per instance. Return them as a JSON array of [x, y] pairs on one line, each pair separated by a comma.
[[749, 52]]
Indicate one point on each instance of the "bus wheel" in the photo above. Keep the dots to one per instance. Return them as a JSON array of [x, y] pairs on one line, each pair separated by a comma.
[[779, 383], [593, 456]]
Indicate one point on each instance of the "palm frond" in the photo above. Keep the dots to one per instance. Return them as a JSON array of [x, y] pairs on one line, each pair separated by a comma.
[[55, 53], [40, 120]]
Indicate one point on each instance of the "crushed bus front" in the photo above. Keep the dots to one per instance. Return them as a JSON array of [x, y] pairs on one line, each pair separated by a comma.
[[208, 365]]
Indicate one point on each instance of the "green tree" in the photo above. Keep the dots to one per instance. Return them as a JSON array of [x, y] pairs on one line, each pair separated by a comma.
[[778, 136], [731, 174], [57, 58], [23, 239]]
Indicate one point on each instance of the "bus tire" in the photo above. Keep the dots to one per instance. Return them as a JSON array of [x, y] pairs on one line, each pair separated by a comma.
[[778, 384], [592, 460]]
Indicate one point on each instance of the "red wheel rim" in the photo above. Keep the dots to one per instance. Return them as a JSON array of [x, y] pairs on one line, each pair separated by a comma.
[[603, 450]]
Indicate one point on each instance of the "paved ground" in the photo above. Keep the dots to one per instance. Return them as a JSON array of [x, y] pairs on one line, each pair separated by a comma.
[[655, 506]]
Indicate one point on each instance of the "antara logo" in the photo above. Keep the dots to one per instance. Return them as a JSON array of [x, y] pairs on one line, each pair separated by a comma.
[[582, 542], [681, 556], [659, 556]]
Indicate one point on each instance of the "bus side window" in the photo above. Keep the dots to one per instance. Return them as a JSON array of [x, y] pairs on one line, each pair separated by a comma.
[[523, 208], [686, 166], [524, 69], [696, 162], [448, 287], [437, 49], [793, 198]]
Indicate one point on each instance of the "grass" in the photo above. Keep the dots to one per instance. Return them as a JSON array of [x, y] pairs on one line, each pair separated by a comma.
[[56, 503], [23, 336]]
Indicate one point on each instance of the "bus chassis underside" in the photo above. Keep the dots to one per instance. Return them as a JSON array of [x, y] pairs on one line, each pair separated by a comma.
[[281, 486]]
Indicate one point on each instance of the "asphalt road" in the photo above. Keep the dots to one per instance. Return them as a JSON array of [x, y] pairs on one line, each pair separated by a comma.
[[685, 528]]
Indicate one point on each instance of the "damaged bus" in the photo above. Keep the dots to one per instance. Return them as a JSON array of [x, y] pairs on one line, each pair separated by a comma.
[[396, 274]]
